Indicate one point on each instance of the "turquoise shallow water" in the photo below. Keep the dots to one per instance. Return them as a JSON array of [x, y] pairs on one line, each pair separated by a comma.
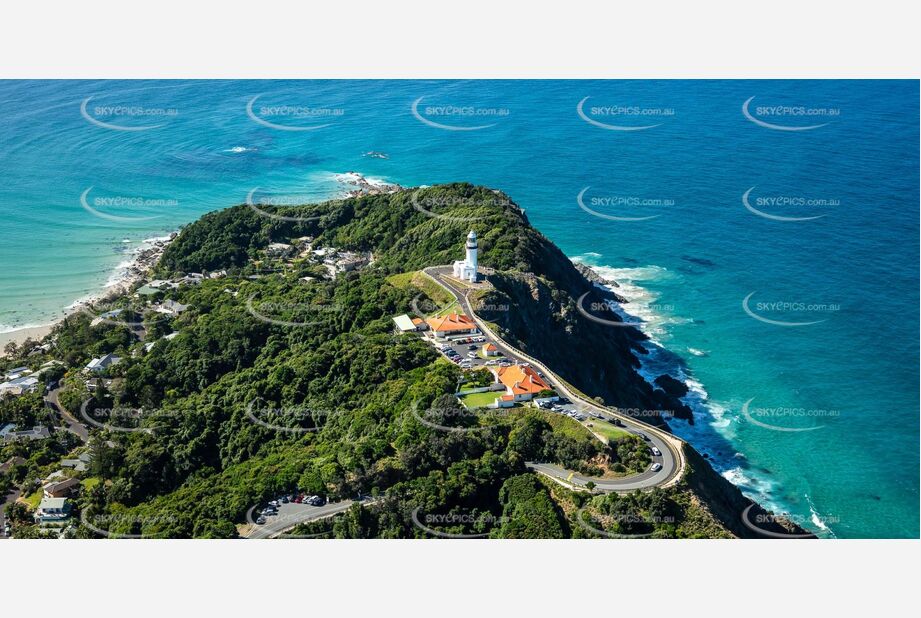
[[849, 379]]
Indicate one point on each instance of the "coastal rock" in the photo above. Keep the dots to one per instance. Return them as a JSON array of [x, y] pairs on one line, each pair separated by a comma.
[[674, 387]]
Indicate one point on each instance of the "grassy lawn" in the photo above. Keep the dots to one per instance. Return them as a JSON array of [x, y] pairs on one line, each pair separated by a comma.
[[89, 483], [608, 430], [34, 499], [479, 400], [419, 281], [451, 307], [566, 425]]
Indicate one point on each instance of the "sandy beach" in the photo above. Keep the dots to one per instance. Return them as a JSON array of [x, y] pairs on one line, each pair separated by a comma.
[[145, 258], [21, 334]]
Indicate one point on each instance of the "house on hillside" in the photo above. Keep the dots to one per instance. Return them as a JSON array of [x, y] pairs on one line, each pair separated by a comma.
[[521, 382], [17, 372], [279, 250], [36, 433], [451, 324], [405, 324], [20, 385], [60, 488], [170, 307], [53, 510], [98, 365]]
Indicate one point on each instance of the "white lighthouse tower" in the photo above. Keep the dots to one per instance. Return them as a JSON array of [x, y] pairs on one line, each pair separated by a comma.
[[466, 269]]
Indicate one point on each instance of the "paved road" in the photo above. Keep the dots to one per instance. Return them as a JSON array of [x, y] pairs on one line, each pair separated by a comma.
[[11, 497], [672, 460], [291, 514], [73, 425]]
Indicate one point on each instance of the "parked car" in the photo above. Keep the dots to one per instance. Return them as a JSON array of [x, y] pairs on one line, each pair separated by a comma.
[[260, 520], [656, 452], [643, 436], [656, 467]]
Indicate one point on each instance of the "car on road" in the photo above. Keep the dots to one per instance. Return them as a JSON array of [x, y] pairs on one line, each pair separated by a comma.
[[260, 520], [643, 436], [656, 467], [656, 452], [617, 422]]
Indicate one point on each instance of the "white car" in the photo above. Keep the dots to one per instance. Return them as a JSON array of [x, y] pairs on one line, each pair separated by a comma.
[[656, 467], [656, 452]]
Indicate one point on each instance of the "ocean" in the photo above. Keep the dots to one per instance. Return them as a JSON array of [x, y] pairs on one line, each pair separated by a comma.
[[765, 232]]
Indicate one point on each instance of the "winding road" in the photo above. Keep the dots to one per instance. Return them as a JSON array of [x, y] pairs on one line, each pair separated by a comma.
[[73, 425], [672, 459]]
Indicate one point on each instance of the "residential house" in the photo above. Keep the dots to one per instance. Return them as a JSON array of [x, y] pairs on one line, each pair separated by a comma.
[[76, 464], [170, 307], [17, 372], [52, 510], [23, 384], [93, 383], [520, 381], [279, 250], [60, 488], [36, 433], [102, 363], [48, 366], [104, 317]]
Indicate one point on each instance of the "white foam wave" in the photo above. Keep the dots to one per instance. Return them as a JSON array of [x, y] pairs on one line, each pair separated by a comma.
[[715, 422]]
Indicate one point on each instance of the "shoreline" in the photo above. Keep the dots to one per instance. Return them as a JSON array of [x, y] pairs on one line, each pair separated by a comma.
[[146, 256], [704, 434], [123, 278]]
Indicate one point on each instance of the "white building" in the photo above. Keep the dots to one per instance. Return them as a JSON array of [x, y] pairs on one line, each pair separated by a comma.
[[102, 363], [466, 269]]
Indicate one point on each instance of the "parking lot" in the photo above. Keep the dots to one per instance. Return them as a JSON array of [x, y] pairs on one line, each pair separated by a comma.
[[463, 351]]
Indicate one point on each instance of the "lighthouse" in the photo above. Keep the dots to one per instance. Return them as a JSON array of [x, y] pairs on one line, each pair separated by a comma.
[[466, 269]]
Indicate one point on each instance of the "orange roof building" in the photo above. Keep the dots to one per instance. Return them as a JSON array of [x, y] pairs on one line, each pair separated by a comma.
[[451, 324], [521, 381]]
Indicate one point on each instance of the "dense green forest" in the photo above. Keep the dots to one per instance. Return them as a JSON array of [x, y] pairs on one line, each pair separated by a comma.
[[274, 384]]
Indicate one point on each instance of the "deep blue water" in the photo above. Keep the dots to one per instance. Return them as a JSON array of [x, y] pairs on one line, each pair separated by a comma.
[[848, 375]]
